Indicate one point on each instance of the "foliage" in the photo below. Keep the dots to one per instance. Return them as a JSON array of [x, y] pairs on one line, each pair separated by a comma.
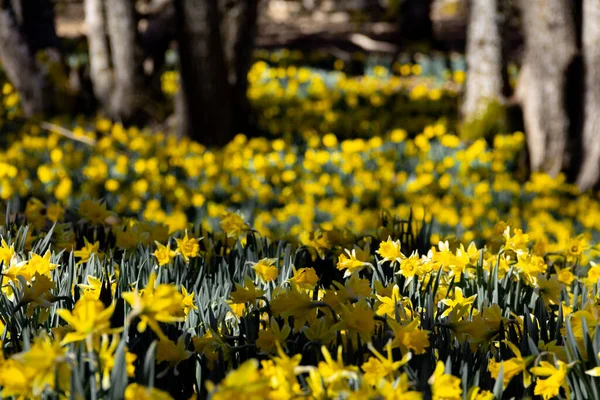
[[287, 187], [128, 310], [267, 269]]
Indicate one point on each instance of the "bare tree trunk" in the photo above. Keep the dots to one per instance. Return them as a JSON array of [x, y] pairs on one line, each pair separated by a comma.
[[115, 65], [232, 13], [550, 49], [415, 20], [589, 173], [239, 31], [206, 92], [36, 19], [19, 62], [122, 32], [100, 65], [484, 59]]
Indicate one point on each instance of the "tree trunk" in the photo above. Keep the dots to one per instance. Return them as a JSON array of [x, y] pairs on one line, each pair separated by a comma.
[[550, 48], [36, 19], [484, 59], [100, 65], [231, 12], [206, 92], [589, 173], [122, 32], [415, 20], [239, 33], [115, 65], [18, 60]]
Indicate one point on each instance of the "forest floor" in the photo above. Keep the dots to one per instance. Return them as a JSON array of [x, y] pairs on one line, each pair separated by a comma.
[[287, 24]]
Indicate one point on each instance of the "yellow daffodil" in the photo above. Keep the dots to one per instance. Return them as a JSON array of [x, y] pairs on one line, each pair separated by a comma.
[[135, 391], [350, 263], [187, 247], [305, 278], [391, 251], [380, 367], [266, 270], [163, 254], [459, 304], [28, 374], [188, 302], [444, 386], [556, 378], [245, 382], [549, 289], [173, 353], [106, 359], [94, 212], [89, 317], [269, 338], [409, 337], [40, 265], [475, 393], [333, 370], [577, 246], [155, 304], [86, 252], [6, 253], [410, 266], [233, 225], [512, 367], [358, 320], [246, 294]]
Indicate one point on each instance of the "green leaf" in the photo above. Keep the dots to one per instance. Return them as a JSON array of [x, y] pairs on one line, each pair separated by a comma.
[[150, 364], [118, 376], [498, 386]]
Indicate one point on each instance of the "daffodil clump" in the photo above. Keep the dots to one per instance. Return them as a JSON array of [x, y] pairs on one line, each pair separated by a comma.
[[101, 306], [293, 100], [285, 189], [319, 174], [292, 93], [315, 265]]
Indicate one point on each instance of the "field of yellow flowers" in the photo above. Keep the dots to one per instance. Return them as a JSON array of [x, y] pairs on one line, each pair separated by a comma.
[[410, 264]]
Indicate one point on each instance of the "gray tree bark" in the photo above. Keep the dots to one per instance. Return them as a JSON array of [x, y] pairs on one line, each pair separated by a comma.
[[122, 33], [36, 20], [216, 40], [18, 60], [243, 47], [589, 173], [100, 65], [550, 47], [204, 76], [115, 65], [484, 59], [415, 20]]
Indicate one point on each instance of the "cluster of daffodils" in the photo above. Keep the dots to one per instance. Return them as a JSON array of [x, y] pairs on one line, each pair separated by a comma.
[[315, 180], [287, 188], [407, 265], [102, 306], [292, 93], [290, 101]]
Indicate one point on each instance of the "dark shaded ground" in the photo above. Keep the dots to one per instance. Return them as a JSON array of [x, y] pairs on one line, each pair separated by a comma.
[[330, 26]]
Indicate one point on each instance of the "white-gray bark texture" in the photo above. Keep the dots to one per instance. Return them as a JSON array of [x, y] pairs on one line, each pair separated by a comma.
[[100, 65], [589, 173], [484, 59], [122, 32], [115, 65], [550, 47]]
